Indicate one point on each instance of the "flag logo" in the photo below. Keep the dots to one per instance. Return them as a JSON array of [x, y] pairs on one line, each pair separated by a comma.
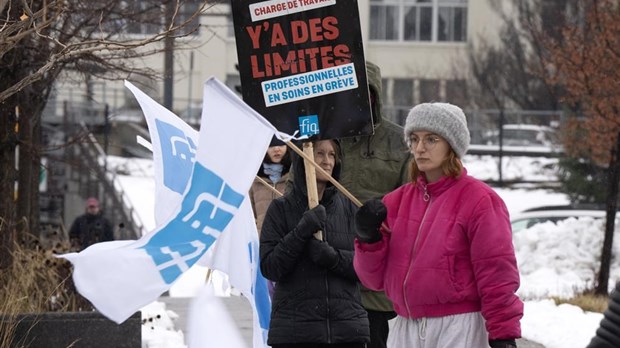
[[207, 209], [179, 154]]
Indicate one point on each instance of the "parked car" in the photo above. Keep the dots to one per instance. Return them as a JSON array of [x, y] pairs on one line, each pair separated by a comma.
[[523, 135], [531, 217]]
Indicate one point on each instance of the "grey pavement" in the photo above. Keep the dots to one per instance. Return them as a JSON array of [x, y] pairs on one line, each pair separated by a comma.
[[240, 310]]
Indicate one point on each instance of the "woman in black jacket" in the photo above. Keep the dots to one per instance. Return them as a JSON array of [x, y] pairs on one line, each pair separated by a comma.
[[317, 298]]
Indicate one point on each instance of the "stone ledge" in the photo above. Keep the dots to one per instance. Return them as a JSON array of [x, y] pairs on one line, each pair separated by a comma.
[[76, 330]]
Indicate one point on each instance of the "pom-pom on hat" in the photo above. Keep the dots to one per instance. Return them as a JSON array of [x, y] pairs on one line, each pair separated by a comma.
[[443, 119]]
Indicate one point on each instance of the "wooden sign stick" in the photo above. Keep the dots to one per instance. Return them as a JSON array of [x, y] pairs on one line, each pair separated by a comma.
[[313, 194], [342, 189], [332, 180]]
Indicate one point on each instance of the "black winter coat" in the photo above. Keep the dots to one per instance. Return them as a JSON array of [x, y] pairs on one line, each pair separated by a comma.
[[311, 304], [88, 229]]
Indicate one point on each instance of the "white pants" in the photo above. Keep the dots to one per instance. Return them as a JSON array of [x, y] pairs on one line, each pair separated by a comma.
[[453, 331]]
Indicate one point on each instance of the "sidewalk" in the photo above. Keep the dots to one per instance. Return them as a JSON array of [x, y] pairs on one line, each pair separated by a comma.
[[240, 310]]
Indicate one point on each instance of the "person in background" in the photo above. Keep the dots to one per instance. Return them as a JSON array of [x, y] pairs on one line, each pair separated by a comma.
[[445, 255], [91, 227], [374, 165], [274, 171], [316, 302]]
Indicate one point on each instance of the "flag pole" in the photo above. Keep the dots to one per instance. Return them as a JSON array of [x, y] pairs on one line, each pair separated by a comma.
[[313, 195], [267, 185]]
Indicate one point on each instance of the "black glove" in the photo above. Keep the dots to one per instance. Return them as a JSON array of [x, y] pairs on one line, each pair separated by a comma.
[[503, 344], [323, 254], [368, 219], [313, 220]]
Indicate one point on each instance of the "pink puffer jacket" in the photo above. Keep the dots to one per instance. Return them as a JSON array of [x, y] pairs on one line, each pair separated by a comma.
[[449, 255]]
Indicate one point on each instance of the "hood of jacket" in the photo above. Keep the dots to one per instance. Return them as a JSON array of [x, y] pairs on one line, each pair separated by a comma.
[[375, 88]]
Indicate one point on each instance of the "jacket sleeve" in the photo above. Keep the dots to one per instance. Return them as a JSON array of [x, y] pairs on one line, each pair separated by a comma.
[[74, 231], [495, 267], [108, 230], [280, 250], [370, 259], [369, 262]]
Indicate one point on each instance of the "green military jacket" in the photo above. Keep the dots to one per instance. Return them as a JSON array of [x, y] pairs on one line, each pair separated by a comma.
[[374, 165]]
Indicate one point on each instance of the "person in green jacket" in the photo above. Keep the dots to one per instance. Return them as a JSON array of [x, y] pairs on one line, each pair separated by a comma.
[[374, 165]]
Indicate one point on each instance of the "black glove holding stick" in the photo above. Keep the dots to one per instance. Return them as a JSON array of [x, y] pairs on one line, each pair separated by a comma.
[[368, 220], [313, 220], [503, 343]]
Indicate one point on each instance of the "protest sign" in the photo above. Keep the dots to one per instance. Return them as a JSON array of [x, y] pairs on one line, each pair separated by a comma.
[[302, 65]]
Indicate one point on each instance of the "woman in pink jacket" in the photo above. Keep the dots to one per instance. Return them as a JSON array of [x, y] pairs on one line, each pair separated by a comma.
[[440, 246]]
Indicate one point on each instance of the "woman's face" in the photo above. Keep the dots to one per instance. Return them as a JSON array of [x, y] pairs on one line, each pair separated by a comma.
[[276, 153], [430, 151], [325, 157]]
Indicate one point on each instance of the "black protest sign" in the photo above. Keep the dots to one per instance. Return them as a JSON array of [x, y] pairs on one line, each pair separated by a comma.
[[302, 65]]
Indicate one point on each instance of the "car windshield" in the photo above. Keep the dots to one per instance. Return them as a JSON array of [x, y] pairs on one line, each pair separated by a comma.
[[524, 136]]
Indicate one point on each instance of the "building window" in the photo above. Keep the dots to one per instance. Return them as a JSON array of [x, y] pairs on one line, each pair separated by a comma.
[[188, 9], [146, 18], [430, 91], [402, 98], [400, 95], [456, 92], [418, 20], [383, 21]]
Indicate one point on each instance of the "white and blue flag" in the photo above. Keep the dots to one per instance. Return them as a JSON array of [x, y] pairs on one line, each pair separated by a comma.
[[121, 277], [236, 254]]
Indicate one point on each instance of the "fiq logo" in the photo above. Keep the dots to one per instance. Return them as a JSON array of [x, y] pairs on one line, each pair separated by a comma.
[[309, 125]]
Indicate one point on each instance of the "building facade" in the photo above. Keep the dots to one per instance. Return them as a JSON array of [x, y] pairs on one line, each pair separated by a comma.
[[420, 45]]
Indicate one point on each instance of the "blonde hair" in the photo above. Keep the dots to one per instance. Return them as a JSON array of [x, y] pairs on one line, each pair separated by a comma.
[[452, 166]]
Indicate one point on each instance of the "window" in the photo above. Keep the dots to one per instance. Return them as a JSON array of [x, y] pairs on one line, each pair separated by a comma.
[[188, 9], [383, 21], [430, 91], [456, 92], [418, 20], [402, 98], [146, 18], [401, 94]]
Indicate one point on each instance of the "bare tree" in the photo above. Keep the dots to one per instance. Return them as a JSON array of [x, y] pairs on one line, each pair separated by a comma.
[[584, 60], [41, 39], [563, 54]]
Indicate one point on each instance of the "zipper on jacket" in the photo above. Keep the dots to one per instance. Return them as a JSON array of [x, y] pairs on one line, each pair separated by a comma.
[[415, 247]]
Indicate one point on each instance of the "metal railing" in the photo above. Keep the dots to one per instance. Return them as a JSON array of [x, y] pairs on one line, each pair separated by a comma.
[[115, 201], [88, 174]]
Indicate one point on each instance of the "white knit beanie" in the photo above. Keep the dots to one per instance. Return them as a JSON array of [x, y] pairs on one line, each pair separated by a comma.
[[443, 119]]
